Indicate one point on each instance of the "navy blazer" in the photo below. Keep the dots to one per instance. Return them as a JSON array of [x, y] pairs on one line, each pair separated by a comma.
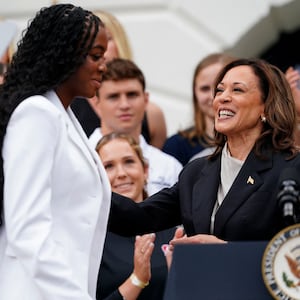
[[250, 210]]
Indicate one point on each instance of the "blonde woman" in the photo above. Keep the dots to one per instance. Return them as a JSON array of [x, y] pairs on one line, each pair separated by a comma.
[[131, 267]]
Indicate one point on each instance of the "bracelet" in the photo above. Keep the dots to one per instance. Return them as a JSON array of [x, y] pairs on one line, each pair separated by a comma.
[[135, 281]]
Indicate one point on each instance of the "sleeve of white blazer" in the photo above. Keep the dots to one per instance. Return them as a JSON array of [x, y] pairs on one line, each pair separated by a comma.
[[29, 153]]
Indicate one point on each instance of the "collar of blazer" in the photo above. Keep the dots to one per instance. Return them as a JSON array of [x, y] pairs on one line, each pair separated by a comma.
[[76, 134], [209, 180]]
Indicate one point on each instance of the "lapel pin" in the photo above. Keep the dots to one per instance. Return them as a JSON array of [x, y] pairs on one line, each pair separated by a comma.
[[250, 180]]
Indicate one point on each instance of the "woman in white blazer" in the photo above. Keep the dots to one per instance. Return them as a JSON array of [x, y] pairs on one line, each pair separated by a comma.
[[56, 196]]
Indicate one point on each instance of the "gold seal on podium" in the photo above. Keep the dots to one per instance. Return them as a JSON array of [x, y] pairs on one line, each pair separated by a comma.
[[281, 264]]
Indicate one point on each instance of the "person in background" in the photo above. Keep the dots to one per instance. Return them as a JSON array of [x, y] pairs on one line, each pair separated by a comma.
[[3, 66], [189, 142], [293, 77], [121, 103], [7, 34], [127, 171], [118, 43], [154, 128], [231, 195], [4, 62], [55, 194]]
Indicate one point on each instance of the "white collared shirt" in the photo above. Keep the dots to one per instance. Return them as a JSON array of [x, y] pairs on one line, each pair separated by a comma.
[[230, 167]]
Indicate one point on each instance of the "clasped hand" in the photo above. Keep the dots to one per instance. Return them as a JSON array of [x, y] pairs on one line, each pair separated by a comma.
[[181, 238]]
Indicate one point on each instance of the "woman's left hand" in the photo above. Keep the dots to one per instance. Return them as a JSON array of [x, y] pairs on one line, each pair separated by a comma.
[[197, 239], [143, 248], [168, 248]]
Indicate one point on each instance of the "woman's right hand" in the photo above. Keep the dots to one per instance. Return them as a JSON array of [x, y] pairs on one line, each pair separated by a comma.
[[168, 248]]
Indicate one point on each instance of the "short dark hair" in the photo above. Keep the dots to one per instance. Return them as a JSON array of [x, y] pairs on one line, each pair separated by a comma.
[[122, 69]]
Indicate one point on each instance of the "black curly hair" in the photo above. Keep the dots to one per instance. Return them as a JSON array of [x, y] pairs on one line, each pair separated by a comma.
[[52, 48]]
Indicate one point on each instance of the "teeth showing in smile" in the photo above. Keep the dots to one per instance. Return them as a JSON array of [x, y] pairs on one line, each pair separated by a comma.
[[225, 113]]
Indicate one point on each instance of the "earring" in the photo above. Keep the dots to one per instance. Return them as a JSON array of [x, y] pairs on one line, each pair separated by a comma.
[[263, 119], [145, 191]]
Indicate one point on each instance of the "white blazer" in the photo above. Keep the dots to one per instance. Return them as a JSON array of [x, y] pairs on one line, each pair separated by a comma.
[[56, 205]]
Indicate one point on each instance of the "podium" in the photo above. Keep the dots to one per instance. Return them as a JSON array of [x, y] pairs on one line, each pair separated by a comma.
[[217, 272]]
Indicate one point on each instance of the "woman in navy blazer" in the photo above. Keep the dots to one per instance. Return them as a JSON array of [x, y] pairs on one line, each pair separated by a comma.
[[232, 194], [56, 195]]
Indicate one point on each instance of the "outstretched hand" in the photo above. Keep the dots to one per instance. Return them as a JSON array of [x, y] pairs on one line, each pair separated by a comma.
[[197, 239], [168, 248], [181, 238]]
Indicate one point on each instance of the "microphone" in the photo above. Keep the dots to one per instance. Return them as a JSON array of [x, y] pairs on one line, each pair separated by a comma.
[[288, 196]]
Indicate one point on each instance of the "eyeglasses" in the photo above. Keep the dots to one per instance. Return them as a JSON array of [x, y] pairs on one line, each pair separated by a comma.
[[3, 68]]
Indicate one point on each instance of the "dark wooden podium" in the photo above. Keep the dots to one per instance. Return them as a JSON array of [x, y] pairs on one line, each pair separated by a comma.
[[217, 272]]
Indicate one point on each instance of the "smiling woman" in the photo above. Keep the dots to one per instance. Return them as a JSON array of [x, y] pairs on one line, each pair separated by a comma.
[[50, 240], [127, 170], [239, 106], [192, 142], [232, 194], [125, 165], [87, 79], [252, 90]]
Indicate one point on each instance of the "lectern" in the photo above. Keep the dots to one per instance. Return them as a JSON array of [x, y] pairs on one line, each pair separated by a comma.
[[217, 272]]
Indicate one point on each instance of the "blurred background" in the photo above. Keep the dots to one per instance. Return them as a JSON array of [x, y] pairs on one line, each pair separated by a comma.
[[169, 37]]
